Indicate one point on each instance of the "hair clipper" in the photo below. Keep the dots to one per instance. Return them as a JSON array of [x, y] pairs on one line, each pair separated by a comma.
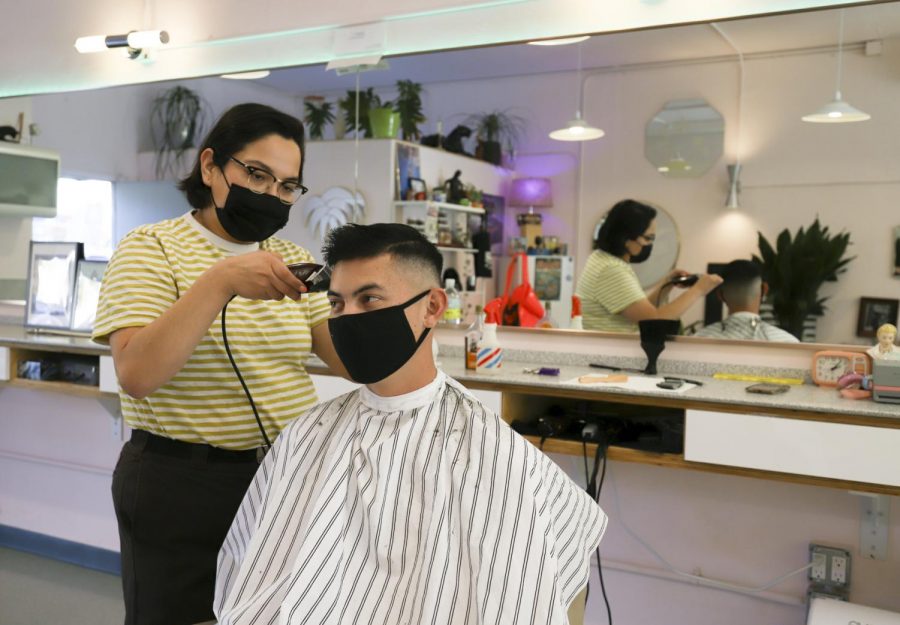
[[315, 277]]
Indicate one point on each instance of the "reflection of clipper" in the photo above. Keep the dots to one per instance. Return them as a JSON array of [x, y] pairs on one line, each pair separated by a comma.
[[315, 277]]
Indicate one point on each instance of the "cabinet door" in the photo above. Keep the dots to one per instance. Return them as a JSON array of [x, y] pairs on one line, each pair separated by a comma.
[[833, 450]]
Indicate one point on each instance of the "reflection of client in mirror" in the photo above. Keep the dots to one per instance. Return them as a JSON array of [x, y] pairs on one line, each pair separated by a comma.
[[611, 294], [743, 291]]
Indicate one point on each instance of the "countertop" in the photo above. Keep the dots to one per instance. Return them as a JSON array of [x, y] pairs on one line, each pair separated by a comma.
[[18, 336], [801, 401], [805, 400]]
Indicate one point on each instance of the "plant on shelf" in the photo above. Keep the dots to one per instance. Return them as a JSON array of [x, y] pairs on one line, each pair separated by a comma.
[[376, 118], [409, 105], [496, 130], [317, 114], [177, 118], [796, 268]]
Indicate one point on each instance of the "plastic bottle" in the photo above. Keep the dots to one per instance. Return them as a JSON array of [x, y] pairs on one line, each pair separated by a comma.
[[546, 321], [473, 338], [490, 354], [453, 312], [576, 323]]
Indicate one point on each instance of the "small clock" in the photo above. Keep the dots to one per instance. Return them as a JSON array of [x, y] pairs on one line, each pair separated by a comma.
[[828, 366]]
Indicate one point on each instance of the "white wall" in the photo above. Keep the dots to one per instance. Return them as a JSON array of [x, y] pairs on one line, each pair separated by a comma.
[[212, 37]]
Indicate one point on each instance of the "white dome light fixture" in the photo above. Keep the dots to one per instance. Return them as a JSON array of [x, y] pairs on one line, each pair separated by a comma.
[[577, 129], [838, 111]]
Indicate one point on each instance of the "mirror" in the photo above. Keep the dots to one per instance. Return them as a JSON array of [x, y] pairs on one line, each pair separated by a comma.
[[792, 172], [685, 138]]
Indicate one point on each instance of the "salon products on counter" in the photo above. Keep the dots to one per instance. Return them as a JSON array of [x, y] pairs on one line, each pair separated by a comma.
[[490, 354]]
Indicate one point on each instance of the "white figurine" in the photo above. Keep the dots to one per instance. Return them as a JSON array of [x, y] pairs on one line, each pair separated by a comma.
[[885, 350]]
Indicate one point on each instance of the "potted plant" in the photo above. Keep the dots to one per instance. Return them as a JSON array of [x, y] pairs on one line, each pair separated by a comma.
[[495, 130], [796, 268], [317, 114], [177, 118], [409, 106], [384, 122]]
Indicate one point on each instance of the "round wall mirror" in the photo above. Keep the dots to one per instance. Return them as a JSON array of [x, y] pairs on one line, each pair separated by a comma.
[[685, 138], [665, 250]]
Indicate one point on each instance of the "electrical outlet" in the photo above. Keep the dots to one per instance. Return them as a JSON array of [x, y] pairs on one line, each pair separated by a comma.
[[839, 570], [829, 572], [819, 568]]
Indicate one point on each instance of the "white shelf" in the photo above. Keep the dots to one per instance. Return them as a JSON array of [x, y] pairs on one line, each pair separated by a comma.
[[448, 248], [441, 206]]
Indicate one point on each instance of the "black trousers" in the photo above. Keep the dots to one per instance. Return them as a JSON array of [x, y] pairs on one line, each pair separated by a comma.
[[174, 503]]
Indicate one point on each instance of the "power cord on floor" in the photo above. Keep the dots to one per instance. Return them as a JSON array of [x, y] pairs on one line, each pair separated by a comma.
[[706, 581], [268, 443], [591, 432]]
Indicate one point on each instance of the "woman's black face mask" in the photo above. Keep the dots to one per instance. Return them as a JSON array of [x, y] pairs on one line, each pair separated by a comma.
[[643, 255], [374, 345], [249, 216]]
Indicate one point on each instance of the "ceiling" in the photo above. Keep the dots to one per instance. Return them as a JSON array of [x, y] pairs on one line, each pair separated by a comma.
[[752, 36]]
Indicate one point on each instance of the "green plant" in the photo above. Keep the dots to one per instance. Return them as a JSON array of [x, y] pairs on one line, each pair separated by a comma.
[[368, 100], [797, 267], [317, 114], [496, 130], [177, 118], [409, 105]]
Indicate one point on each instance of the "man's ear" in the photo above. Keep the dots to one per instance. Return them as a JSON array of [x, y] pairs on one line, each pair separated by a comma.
[[765, 290], [437, 304]]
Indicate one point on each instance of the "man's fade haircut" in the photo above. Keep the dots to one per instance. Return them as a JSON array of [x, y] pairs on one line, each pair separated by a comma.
[[404, 243], [741, 280]]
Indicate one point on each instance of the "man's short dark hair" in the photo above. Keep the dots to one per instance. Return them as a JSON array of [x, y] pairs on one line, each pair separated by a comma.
[[741, 272], [236, 128], [741, 282], [405, 243], [625, 221]]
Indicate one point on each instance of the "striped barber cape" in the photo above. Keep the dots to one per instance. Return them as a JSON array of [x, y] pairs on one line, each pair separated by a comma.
[[421, 508]]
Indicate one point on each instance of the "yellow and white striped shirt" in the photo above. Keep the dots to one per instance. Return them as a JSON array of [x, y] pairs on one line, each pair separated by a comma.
[[270, 340], [607, 286]]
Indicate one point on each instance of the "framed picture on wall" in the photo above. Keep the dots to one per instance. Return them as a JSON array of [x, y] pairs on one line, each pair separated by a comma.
[[51, 284], [873, 313], [87, 294], [407, 168], [896, 253]]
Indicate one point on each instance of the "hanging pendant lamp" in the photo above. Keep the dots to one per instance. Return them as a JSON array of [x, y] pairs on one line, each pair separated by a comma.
[[838, 111], [577, 129]]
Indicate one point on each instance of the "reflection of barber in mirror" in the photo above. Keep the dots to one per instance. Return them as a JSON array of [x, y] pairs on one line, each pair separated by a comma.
[[885, 349], [743, 291], [611, 294]]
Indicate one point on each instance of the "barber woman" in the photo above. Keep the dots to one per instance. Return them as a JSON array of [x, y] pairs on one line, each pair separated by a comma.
[[611, 294], [193, 448]]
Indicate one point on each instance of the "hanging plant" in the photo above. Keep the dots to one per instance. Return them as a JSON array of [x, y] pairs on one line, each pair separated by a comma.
[[409, 106], [317, 114], [177, 118]]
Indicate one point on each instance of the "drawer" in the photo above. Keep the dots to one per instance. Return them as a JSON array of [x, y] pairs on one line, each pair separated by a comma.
[[832, 450]]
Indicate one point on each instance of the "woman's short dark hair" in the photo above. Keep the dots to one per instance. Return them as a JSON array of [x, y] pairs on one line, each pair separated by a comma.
[[236, 128], [625, 221]]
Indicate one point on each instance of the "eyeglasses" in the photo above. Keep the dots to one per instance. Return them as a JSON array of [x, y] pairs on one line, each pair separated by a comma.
[[260, 181]]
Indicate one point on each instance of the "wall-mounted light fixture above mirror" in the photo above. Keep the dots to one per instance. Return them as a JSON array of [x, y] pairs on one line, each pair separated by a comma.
[[685, 138]]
